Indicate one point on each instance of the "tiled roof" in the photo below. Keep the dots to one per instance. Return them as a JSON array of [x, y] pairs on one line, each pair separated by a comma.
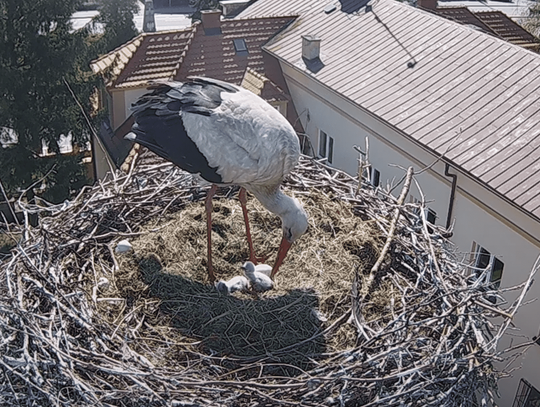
[[455, 90], [507, 29], [215, 56], [266, 8], [464, 16], [492, 22], [189, 52], [158, 56], [111, 65], [262, 86]]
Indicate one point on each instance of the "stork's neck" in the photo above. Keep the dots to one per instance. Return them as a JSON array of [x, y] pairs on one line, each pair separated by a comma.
[[271, 197]]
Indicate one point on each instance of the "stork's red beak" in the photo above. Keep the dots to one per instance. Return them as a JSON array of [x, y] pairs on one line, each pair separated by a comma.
[[282, 252]]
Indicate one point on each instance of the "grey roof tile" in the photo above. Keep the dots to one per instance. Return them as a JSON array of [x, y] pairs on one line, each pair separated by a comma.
[[469, 95]]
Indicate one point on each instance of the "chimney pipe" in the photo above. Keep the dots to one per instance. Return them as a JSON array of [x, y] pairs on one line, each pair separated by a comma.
[[211, 21], [149, 21], [311, 47]]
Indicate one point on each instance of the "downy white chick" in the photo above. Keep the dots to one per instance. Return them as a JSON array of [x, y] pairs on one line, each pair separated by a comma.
[[264, 268], [260, 282], [238, 283]]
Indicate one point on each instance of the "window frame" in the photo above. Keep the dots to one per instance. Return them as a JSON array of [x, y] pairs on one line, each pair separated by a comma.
[[523, 394], [326, 146], [375, 177], [240, 46], [482, 260], [430, 213]]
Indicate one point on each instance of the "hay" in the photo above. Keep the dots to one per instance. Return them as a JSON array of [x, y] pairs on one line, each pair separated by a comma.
[[81, 325]]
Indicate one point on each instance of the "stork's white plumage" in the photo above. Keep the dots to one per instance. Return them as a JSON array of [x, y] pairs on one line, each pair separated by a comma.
[[259, 281], [228, 135]]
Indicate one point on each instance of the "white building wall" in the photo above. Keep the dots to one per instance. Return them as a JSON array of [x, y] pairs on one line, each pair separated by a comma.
[[479, 214], [130, 96], [121, 104], [103, 164]]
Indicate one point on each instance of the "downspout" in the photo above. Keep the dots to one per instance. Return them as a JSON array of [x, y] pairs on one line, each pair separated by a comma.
[[452, 194]]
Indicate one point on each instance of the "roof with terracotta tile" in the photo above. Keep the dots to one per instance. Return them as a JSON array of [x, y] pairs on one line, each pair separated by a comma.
[[158, 57], [113, 63], [262, 86], [461, 93], [492, 22], [215, 56], [175, 55], [507, 29], [464, 16]]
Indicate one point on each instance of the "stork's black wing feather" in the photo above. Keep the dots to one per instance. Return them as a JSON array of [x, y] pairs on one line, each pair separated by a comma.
[[159, 126]]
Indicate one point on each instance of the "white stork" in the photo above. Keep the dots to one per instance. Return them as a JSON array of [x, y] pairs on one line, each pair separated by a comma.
[[227, 135]]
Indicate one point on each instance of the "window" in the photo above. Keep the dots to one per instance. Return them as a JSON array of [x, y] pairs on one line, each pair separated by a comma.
[[281, 107], [527, 395], [326, 146], [373, 176], [484, 260], [431, 216], [240, 46]]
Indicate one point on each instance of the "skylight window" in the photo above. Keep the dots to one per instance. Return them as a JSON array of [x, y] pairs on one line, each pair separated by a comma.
[[240, 46]]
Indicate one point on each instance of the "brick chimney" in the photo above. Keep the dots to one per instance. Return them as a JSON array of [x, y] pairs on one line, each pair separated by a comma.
[[427, 4], [311, 47], [149, 21], [211, 21]]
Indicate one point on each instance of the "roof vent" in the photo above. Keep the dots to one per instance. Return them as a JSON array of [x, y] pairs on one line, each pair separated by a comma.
[[211, 21], [329, 8], [311, 47]]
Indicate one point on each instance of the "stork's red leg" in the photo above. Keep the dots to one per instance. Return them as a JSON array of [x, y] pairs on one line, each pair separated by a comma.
[[209, 206], [242, 196]]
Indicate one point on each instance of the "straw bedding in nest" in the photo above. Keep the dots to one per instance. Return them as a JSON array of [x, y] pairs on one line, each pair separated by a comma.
[[370, 307], [312, 287]]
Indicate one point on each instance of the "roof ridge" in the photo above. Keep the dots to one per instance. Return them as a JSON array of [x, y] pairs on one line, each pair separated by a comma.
[[232, 20], [170, 31], [118, 48], [257, 74], [492, 12], [265, 80]]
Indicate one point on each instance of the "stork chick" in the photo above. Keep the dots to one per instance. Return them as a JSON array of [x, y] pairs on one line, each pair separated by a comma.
[[264, 268], [260, 282], [238, 283]]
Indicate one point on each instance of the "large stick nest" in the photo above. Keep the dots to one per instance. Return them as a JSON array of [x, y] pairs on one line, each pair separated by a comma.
[[83, 325]]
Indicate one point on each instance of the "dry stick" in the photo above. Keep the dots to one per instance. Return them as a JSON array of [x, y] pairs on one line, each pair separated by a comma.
[[397, 348], [9, 204], [391, 231], [428, 240], [359, 300], [89, 123]]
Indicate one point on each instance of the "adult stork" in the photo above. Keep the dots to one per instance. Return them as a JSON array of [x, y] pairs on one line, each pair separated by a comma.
[[227, 135]]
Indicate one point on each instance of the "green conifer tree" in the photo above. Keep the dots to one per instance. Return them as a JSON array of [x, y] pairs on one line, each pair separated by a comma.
[[39, 55]]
